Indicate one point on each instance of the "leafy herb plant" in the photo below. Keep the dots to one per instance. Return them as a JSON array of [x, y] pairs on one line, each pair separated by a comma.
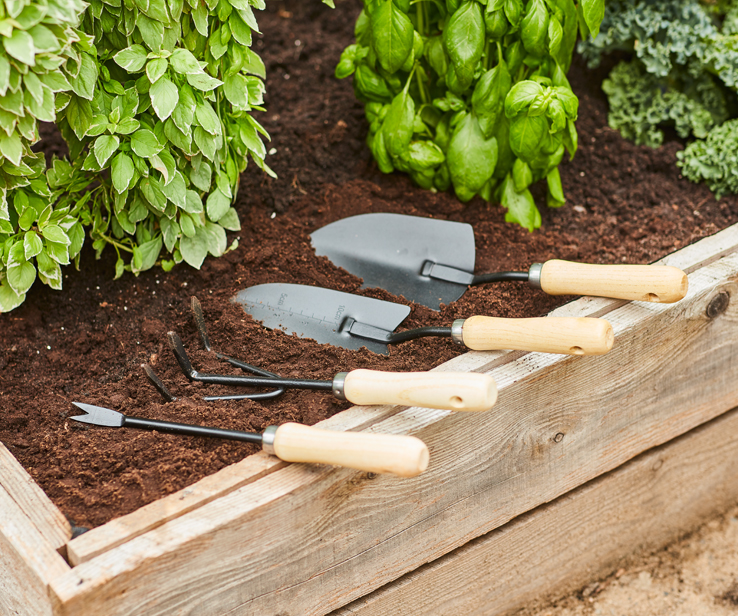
[[154, 99], [471, 94]]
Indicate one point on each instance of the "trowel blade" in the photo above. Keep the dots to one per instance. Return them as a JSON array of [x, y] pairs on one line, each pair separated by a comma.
[[321, 314], [389, 251]]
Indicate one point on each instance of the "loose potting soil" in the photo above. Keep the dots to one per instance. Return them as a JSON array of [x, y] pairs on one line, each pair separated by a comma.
[[86, 343]]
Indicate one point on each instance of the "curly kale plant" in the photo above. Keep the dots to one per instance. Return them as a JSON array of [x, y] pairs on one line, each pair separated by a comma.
[[713, 160], [684, 74], [471, 94]]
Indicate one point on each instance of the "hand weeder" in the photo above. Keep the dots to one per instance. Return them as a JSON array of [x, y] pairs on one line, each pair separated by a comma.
[[457, 391], [406, 456]]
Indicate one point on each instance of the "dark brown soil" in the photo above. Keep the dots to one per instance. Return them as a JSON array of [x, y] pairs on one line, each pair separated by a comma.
[[86, 343]]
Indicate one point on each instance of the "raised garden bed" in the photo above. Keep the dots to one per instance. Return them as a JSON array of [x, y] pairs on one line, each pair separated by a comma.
[[261, 536]]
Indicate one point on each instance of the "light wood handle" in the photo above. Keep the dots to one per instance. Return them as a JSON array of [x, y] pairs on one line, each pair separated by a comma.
[[567, 335], [456, 391], [645, 283], [405, 456]]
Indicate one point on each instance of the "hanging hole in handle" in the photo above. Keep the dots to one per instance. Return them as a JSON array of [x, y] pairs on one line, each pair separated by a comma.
[[456, 402], [651, 297], [576, 350]]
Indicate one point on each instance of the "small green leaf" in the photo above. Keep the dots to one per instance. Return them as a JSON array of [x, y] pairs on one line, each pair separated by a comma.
[[207, 118], [203, 82], [593, 11], [230, 220], [392, 35], [194, 249], [104, 148], [131, 58], [20, 46], [144, 143], [11, 148], [217, 205], [156, 68], [9, 299], [32, 244], [184, 62], [145, 255], [521, 208], [164, 97], [55, 233], [121, 172], [84, 83], [20, 276]]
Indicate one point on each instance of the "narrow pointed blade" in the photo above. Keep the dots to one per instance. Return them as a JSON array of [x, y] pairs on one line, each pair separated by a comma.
[[99, 415], [389, 251], [320, 314]]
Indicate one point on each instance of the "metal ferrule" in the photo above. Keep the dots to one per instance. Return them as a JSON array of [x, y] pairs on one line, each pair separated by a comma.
[[267, 439], [457, 331], [534, 275], [339, 383]]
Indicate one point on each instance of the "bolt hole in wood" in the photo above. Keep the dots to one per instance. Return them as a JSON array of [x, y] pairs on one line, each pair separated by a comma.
[[718, 304], [559, 437]]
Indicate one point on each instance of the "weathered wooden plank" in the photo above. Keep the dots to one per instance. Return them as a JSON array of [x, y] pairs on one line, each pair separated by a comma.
[[130, 526], [646, 503], [125, 528], [32, 500], [27, 562], [306, 540]]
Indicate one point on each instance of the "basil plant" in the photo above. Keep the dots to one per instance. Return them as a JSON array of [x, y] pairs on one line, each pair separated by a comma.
[[471, 94]]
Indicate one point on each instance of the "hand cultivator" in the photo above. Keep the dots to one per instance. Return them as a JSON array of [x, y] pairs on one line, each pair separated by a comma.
[[459, 391]]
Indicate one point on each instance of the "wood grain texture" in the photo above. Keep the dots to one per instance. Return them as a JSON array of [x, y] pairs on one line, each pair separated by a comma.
[[645, 283], [565, 335], [27, 562], [153, 515], [32, 500], [558, 547], [309, 539], [456, 391]]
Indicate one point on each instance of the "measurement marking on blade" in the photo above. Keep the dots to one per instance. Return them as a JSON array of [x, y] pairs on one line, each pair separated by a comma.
[[292, 313]]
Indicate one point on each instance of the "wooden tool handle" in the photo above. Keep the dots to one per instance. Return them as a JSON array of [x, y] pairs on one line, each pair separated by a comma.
[[405, 456], [645, 283], [456, 391], [567, 335]]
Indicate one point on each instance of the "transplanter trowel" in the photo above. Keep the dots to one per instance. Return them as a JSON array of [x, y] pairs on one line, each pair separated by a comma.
[[431, 262], [353, 321]]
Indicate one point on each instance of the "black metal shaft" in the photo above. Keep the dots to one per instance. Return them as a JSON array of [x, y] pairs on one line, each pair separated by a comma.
[[421, 332], [261, 381], [190, 430], [500, 277]]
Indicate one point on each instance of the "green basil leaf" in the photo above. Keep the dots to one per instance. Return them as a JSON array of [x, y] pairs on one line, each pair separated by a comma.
[[555, 190], [521, 96], [398, 124], [521, 208], [593, 12], [534, 28], [522, 175], [392, 35], [464, 40], [471, 158], [526, 133]]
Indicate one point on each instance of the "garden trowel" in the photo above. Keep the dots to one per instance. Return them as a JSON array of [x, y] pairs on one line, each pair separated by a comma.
[[353, 321], [431, 262]]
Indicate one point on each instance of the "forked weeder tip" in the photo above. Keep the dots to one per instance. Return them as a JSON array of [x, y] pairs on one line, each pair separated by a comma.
[[98, 415]]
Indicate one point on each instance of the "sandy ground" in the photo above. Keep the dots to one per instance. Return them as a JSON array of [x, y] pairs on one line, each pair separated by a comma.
[[697, 576]]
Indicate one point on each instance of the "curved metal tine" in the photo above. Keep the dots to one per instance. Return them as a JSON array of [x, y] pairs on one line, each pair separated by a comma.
[[157, 383], [202, 329]]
